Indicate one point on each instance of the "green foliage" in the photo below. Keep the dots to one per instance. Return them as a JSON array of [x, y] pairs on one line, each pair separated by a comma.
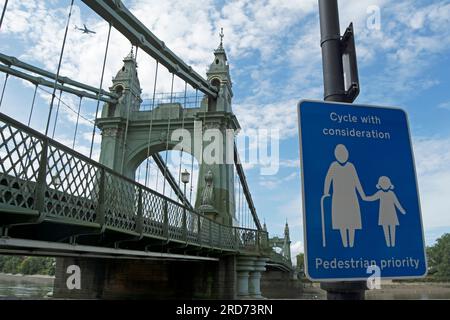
[[301, 261], [439, 259], [27, 265], [301, 265]]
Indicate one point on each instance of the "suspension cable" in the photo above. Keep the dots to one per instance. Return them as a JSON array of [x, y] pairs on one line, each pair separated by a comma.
[[239, 202], [59, 68], [76, 125], [57, 113], [157, 178], [204, 125], [192, 147], [32, 104], [248, 217], [182, 130], [167, 137], [26, 149], [124, 143], [100, 89], [68, 107], [242, 208], [139, 174], [147, 169], [3, 13], [3, 90]]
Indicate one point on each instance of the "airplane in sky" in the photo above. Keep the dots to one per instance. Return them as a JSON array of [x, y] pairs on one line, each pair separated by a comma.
[[85, 29]]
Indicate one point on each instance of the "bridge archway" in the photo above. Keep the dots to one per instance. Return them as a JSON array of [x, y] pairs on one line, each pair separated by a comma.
[[149, 174]]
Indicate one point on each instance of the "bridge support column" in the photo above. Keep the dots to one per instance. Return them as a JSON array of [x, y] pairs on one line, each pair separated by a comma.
[[244, 266], [254, 285], [249, 276]]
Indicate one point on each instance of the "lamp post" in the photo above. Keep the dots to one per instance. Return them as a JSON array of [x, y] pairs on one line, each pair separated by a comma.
[[185, 179]]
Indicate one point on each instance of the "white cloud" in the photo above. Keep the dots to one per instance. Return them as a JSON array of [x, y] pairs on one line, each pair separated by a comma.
[[296, 248], [258, 26], [444, 105], [281, 116], [290, 163], [433, 169], [273, 182]]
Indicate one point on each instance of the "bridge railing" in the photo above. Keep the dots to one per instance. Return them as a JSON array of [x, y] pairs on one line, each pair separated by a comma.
[[280, 259], [187, 100], [40, 175]]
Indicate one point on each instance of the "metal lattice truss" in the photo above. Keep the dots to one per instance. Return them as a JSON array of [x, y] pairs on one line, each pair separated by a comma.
[[44, 181], [115, 12]]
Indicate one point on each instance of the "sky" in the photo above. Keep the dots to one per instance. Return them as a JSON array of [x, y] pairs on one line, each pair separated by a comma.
[[273, 48]]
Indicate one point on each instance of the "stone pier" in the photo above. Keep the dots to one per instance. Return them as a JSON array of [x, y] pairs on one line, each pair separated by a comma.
[[249, 271]]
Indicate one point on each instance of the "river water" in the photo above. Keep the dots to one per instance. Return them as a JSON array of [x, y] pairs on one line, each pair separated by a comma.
[[16, 287], [22, 288]]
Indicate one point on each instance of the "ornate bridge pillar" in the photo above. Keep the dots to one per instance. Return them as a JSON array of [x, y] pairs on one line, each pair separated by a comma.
[[244, 266], [249, 276], [126, 85], [254, 285], [217, 159]]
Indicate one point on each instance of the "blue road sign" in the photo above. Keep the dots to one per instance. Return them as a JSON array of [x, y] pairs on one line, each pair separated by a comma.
[[360, 197]]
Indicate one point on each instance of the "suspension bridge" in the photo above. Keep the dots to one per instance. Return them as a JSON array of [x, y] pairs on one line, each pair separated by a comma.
[[121, 213]]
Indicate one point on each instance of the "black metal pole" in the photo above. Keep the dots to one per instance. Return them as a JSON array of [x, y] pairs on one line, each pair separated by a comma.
[[333, 71], [334, 90]]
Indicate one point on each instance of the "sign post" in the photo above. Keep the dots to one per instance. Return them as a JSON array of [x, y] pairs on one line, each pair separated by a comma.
[[361, 204], [338, 54]]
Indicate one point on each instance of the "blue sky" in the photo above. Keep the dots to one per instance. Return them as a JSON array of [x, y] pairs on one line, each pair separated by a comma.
[[274, 55]]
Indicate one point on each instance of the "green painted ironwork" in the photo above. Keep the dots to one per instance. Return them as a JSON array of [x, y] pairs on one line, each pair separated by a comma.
[[139, 35], [40, 175]]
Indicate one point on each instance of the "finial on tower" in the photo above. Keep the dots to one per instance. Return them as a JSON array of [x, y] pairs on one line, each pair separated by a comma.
[[221, 35], [130, 56], [286, 228]]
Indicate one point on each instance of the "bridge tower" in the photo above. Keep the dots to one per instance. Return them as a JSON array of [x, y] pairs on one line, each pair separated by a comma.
[[126, 85], [282, 244], [130, 135], [220, 122], [287, 242]]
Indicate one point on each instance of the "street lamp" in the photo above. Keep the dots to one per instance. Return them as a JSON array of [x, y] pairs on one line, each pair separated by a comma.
[[185, 179]]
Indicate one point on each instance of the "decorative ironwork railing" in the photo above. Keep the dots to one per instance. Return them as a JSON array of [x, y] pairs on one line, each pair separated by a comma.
[[41, 175], [279, 258], [188, 100]]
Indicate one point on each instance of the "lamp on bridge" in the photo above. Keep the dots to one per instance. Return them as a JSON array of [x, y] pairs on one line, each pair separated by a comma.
[[185, 179]]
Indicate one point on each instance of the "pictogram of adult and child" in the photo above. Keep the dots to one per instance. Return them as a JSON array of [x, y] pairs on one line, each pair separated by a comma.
[[345, 209]]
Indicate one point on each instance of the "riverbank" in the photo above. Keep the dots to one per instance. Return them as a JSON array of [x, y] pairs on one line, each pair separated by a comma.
[[36, 278], [394, 291]]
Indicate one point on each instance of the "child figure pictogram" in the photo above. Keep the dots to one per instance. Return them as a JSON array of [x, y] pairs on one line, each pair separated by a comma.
[[389, 204]]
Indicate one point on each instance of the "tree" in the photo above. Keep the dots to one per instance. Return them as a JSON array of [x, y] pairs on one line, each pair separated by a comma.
[[27, 265], [439, 259], [32, 265], [301, 265], [11, 264]]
